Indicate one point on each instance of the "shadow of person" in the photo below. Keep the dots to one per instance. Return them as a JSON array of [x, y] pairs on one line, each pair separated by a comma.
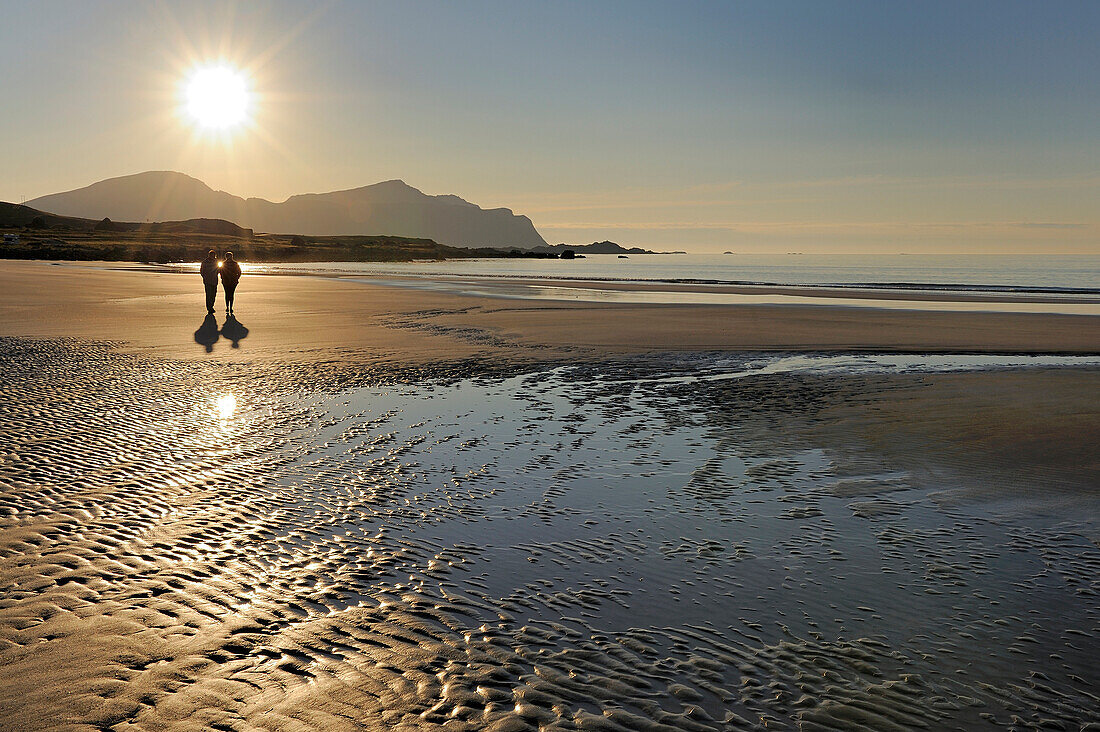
[[234, 331], [207, 334]]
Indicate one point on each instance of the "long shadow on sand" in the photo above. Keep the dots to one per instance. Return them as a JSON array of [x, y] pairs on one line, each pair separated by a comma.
[[207, 334], [233, 330]]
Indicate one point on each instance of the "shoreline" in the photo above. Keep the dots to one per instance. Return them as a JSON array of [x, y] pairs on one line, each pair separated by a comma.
[[324, 318], [946, 292], [648, 293]]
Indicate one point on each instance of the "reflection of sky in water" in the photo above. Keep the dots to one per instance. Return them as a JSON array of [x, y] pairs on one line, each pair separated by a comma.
[[959, 271], [874, 363], [521, 291], [603, 480]]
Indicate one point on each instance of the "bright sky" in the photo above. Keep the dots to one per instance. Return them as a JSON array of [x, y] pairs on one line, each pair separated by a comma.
[[746, 126]]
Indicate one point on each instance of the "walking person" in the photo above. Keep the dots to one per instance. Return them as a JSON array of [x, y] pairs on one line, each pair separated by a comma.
[[231, 275], [209, 271]]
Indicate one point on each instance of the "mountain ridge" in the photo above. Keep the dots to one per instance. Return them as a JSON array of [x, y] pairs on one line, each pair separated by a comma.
[[391, 207]]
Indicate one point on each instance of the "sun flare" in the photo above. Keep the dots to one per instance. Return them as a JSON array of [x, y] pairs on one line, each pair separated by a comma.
[[217, 97]]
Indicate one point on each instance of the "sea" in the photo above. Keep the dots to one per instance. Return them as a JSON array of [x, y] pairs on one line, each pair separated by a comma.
[[1046, 274]]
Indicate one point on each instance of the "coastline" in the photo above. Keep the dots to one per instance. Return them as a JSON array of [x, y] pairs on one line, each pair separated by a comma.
[[158, 313]]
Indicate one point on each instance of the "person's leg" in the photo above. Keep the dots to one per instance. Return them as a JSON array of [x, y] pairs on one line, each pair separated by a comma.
[[229, 290], [211, 295]]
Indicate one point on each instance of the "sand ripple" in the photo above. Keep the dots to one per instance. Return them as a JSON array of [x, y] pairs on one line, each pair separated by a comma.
[[584, 548]]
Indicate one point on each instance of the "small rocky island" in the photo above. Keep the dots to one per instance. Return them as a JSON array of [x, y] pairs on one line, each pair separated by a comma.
[[596, 247]]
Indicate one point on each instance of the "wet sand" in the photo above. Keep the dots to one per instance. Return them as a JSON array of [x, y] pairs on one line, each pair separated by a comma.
[[316, 317], [454, 527]]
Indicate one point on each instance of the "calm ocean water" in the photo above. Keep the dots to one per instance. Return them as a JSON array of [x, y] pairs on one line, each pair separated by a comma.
[[1077, 273]]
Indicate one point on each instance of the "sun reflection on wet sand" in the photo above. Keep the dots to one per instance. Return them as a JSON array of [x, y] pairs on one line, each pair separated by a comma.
[[226, 405]]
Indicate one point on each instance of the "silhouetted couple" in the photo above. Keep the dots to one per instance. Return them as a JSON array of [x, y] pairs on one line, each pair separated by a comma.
[[230, 273]]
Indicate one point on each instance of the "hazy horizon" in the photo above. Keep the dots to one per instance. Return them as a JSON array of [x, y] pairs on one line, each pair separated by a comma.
[[844, 127]]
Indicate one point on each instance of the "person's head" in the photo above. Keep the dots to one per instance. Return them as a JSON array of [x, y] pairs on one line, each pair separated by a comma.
[[229, 256], [211, 254]]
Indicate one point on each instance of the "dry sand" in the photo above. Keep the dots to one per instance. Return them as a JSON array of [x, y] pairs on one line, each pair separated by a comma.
[[411, 521]]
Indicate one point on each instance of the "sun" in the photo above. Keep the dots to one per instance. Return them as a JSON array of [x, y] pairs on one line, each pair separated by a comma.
[[217, 97]]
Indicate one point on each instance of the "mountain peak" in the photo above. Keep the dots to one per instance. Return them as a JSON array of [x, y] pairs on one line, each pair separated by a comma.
[[390, 207], [153, 176]]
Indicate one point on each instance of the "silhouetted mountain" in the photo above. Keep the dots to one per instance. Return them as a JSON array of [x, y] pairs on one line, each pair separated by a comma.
[[33, 234], [389, 208]]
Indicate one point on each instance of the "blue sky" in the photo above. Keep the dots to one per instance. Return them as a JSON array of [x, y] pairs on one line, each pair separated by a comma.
[[764, 126]]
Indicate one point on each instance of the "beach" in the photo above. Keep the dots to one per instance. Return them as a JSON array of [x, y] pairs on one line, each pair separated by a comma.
[[383, 506], [153, 311]]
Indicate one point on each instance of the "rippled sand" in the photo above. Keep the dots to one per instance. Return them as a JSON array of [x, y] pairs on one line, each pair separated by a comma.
[[465, 547]]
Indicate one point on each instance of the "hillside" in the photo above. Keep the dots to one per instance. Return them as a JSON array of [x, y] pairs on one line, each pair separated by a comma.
[[38, 235], [14, 215], [388, 208]]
